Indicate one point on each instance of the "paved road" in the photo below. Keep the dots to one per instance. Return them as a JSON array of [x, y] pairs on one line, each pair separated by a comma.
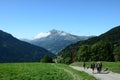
[[104, 75]]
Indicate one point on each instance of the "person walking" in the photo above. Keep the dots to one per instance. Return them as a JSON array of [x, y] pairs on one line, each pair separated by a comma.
[[84, 64], [99, 66], [92, 67]]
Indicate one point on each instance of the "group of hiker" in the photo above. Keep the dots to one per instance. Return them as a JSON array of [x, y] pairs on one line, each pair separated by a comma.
[[98, 66]]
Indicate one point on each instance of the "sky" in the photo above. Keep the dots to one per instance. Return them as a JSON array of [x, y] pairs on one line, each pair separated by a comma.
[[26, 18]]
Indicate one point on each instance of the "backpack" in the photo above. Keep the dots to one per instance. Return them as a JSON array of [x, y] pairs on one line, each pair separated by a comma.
[[98, 65]]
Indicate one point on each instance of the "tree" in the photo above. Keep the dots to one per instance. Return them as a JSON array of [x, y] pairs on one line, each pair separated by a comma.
[[83, 53], [46, 59], [58, 59], [67, 60], [116, 52], [102, 50]]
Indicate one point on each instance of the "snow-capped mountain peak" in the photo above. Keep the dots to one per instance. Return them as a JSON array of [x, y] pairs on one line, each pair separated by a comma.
[[42, 35], [55, 40], [52, 32]]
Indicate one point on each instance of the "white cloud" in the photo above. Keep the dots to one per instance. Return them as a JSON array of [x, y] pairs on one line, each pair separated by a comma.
[[42, 35]]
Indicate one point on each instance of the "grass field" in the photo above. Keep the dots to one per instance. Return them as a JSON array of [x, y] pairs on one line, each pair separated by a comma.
[[40, 71], [112, 66]]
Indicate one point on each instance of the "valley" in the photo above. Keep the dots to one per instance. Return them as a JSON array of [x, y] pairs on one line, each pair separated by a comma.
[[51, 39], [24, 61]]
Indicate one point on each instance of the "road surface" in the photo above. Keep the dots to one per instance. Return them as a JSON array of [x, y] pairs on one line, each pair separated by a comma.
[[104, 75]]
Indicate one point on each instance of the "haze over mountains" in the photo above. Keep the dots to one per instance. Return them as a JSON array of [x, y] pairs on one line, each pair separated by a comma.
[[14, 50], [55, 40]]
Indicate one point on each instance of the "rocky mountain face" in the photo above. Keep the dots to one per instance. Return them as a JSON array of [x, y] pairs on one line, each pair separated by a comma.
[[55, 40]]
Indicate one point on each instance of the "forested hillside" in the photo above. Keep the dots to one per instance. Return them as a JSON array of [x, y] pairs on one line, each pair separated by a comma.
[[14, 50], [105, 47]]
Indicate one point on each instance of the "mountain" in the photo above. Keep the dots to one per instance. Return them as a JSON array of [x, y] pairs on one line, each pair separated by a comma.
[[104, 47], [55, 40], [14, 50]]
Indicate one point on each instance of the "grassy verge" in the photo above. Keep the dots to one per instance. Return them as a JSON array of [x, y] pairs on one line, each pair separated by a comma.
[[40, 71], [81, 75], [112, 66]]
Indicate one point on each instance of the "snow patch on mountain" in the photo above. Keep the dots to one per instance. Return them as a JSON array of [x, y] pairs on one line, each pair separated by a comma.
[[52, 32], [64, 34], [42, 35], [61, 33]]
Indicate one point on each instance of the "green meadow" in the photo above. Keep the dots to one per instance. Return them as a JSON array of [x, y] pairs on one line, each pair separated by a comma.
[[40, 71], [112, 66]]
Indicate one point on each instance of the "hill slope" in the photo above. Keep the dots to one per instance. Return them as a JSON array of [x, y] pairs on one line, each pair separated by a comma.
[[14, 50], [101, 47], [55, 40]]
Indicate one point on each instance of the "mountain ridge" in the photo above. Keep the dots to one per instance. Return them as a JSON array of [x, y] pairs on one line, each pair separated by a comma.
[[14, 50], [56, 40]]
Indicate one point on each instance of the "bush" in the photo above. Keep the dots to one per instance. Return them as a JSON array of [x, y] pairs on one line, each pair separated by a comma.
[[46, 59]]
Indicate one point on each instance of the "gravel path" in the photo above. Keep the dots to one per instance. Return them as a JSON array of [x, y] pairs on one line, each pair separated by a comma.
[[104, 75]]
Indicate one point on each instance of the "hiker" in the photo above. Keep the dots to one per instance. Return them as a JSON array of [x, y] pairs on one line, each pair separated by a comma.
[[84, 65], [99, 67], [92, 67]]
